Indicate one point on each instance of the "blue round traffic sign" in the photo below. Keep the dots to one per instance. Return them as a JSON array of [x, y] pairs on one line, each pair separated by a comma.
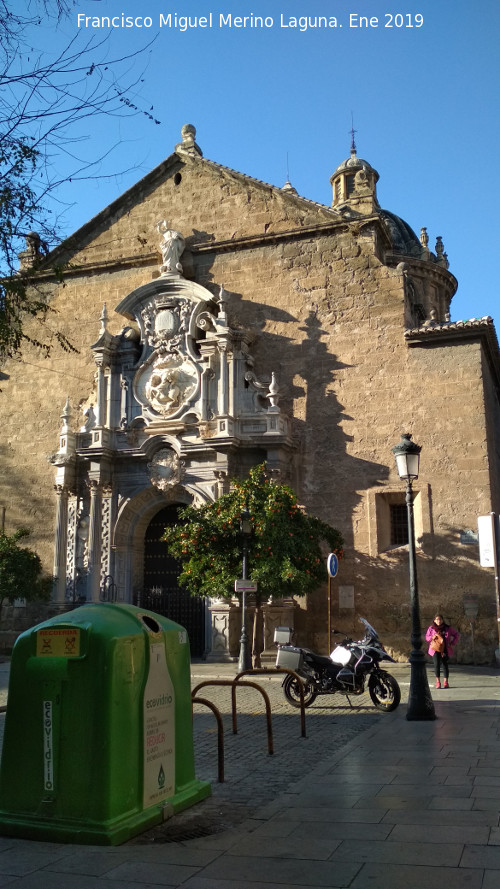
[[332, 564]]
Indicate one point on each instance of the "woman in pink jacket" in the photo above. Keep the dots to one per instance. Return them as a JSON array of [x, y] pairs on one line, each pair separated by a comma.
[[442, 639]]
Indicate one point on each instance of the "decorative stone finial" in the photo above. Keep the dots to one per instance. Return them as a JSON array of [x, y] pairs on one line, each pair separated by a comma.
[[103, 319], [274, 391], [172, 246], [34, 251], [442, 257], [288, 187], [424, 237], [65, 417], [222, 313], [188, 145], [432, 321]]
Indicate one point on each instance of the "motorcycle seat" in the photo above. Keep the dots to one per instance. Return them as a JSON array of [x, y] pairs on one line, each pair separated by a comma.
[[322, 659]]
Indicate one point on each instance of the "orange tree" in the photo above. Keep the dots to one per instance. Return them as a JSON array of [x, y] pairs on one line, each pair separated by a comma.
[[285, 553], [21, 574]]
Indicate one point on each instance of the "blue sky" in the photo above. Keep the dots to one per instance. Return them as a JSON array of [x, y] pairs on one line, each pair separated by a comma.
[[424, 99]]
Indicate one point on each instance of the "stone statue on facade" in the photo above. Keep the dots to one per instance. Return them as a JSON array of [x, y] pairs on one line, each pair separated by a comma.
[[89, 419], [172, 246], [362, 183]]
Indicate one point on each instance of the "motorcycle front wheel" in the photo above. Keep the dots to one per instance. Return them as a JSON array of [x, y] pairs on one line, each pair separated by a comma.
[[384, 691], [292, 692]]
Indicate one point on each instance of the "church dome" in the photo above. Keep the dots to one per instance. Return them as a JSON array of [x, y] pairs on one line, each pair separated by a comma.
[[353, 164], [403, 237], [354, 194]]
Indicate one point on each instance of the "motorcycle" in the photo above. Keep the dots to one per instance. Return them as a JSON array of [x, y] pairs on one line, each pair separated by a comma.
[[351, 667]]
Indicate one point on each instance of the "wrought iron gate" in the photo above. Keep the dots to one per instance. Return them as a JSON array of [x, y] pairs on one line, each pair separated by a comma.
[[161, 592]]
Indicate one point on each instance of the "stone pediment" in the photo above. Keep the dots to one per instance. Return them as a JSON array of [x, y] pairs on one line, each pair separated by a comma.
[[126, 249]]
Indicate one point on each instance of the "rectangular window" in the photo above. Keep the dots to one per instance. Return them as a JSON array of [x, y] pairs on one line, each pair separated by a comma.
[[388, 519], [399, 524]]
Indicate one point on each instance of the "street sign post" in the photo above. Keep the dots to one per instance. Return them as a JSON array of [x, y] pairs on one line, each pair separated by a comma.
[[245, 586], [332, 564]]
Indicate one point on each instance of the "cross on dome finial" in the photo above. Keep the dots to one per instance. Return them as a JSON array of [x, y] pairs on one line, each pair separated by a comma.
[[353, 132]]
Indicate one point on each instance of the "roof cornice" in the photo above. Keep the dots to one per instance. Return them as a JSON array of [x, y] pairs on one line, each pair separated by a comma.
[[248, 242], [456, 332]]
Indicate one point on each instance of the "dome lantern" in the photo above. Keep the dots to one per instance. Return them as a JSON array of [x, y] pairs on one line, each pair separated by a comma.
[[354, 185]]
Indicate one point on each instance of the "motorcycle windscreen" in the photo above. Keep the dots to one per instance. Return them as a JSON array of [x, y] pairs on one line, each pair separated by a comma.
[[340, 655], [371, 630]]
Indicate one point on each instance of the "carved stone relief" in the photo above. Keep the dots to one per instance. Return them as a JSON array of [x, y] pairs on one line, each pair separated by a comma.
[[166, 382], [165, 469]]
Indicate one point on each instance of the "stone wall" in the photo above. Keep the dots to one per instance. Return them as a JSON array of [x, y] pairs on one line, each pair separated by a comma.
[[328, 315]]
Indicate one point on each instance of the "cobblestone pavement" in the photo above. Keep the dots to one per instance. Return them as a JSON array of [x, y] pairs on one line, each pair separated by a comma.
[[402, 803], [252, 776]]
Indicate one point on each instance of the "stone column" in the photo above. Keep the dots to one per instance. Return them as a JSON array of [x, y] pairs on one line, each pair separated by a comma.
[[101, 394], [94, 564], [107, 524], [109, 398], [231, 373], [206, 375], [61, 537], [223, 383], [71, 548]]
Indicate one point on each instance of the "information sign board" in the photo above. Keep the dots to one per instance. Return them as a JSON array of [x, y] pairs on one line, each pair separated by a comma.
[[245, 586], [487, 540], [58, 642]]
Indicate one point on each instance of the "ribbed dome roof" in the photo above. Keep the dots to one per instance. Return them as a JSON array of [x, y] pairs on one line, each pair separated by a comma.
[[403, 237], [354, 163]]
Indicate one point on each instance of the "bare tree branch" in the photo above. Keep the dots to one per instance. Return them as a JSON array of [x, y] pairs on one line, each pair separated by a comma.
[[46, 98]]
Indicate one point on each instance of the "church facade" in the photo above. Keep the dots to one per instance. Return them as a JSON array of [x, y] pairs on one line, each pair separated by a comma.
[[222, 322]]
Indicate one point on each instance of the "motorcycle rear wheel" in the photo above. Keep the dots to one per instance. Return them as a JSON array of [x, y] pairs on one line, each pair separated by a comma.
[[292, 693], [384, 691]]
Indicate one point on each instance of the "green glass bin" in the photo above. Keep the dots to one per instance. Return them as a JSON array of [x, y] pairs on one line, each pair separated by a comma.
[[98, 742]]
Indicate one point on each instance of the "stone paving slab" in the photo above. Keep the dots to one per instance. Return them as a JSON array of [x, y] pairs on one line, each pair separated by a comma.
[[367, 800], [398, 876], [282, 871]]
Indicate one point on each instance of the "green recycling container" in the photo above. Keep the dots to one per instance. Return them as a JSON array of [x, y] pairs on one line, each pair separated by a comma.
[[98, 741]]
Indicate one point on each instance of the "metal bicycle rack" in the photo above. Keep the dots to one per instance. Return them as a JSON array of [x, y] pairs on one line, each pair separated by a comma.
[[239, 681]]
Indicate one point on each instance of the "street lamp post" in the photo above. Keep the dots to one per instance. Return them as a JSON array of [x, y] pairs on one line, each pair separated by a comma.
[[245, 660], [420, 704]]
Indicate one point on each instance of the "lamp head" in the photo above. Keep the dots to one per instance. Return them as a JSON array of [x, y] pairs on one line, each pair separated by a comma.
[[407, 455], [245, 523]]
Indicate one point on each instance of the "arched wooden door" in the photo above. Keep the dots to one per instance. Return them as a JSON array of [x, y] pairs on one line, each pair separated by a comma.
[[161, 591]]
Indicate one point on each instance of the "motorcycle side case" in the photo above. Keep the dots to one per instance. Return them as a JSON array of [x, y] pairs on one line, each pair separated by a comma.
[[283, 635], [290, 658]]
